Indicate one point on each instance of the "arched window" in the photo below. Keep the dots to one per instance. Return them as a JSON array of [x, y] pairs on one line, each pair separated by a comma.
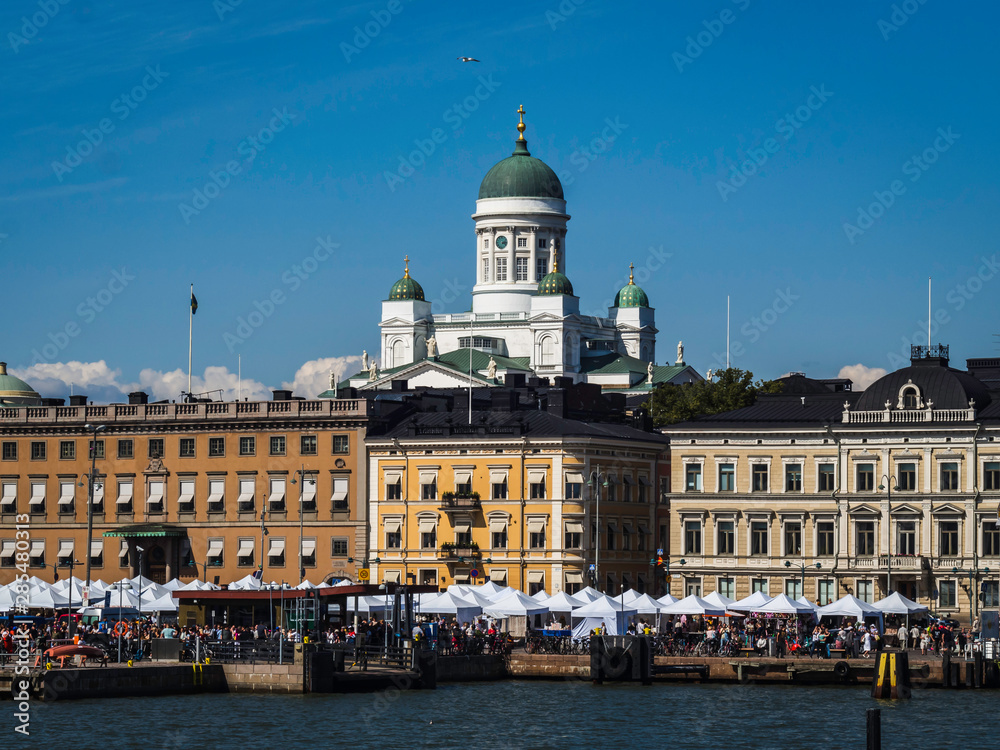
[[547, 351], [398, 353], [909, 398]]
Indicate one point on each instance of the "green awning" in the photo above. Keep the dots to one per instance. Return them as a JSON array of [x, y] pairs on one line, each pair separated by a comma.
[[147, 529]]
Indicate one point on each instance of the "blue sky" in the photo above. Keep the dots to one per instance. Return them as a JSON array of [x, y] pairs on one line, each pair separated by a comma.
[[726, 148]]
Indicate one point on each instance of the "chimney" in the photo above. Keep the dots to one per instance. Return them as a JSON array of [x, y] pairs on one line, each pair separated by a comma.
[[3, 368], [78, 400], [514, 380], [282, 395], [138, 397], [503, 399], [556, 402]]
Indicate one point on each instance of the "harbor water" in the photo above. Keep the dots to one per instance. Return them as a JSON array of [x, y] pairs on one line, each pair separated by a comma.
[[522, 714]]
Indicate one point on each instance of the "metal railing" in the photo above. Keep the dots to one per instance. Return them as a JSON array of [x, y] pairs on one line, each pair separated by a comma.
[[250, 651]]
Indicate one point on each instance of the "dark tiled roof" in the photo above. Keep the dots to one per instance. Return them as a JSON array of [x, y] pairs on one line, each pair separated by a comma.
[[946, 387], [779, 409]]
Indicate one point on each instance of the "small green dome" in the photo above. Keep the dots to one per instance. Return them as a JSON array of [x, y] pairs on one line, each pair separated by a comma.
[[555, 283], [631, 295], [13, 390], [407, 288], [521, 175]]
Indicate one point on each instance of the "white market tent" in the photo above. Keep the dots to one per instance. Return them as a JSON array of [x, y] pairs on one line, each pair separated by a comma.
[[815, 607], [587, 595], [897, 604], [516, 604], [667, 599], [718, 599], [605, 613], [540, 596], [6, 598], [782, 604], [693, 605], [561, 602], [450, 603], [850, 606], [246, 583], [164, 603], [644, 604], [756, 600]]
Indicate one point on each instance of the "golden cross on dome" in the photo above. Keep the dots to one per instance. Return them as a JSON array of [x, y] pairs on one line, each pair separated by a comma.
[[630, 267], [521, 126], [555, 257], [406, 260]]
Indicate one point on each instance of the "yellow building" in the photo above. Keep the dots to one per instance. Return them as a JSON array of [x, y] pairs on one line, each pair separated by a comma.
[[893, 489], [510, 495]]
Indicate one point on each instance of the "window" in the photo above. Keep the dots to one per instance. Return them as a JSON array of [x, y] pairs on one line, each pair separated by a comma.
[[536, 489], [154, 496], [248, 446], [500, 488], [949, 476], [66, 496], [991, 540], [277, 445], [244, 554], [185, 496], [865, 590], [521, 268], [864, 544], [126, 448], [7, 555], [991, 593], [758, 584], [216, 447], [826, 591], [187, 448], [759, 474], [216, 495], [541, 268], [394, 487], [307, 445], [463, 535], [309, 552], [214, 556], [991, 475], [727, 477], [307, 498], [536, 540], [627, 537], [67, 449], [692, 587], [393, 535], [793, 478], [486, 242], [907, 477], [793, 539], [946, 594], [498, 537], [611, 490], [574, 490], [758, 538], [428, 535], [726, 537], [825, 539], [542, 243], [692, 478], [9, 450], [341, 444], [339, 548], [949, 538], [486, 266], [910, 398], [124, 502], [827, 480], [866, 478], [341, 487], [727, 587], [640, 491], [276, 551], [37, 554], [38, 450], [8, 501], [609, 542], [906, 537], [154, 448], [574, 535], [276, 496], [793, 588], [501, 269], [245, 501], [522, 241], [692, 537], [429, 488]]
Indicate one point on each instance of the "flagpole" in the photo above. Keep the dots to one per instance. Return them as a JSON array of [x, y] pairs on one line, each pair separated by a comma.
[[190, 334]]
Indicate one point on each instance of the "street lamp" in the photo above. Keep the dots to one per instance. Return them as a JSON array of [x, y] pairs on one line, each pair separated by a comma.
[[888, 520], [972, 574], [302, 506], [263, 533], [595, 482], [802, 571], [140, 550], [93, 429]]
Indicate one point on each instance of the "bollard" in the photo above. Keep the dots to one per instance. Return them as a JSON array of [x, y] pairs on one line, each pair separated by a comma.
[[891, 677], [977, 660], [946, 669], [874, 729]]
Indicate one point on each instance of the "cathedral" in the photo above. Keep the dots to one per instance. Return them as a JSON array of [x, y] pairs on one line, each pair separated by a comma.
[[525, 320]]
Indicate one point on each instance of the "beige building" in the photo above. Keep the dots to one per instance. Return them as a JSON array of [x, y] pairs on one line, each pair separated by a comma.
[[188, 483], [893, 489]]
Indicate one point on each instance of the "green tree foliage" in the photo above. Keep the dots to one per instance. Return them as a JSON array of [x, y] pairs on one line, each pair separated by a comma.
[[732, 389]]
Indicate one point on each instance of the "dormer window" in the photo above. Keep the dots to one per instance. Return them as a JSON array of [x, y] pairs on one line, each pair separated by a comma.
[[909, 397]]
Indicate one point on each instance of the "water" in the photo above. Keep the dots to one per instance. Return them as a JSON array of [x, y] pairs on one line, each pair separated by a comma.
[[519, 714]]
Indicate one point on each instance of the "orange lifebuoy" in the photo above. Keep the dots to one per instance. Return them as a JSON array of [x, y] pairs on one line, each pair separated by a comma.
[[121, 628]]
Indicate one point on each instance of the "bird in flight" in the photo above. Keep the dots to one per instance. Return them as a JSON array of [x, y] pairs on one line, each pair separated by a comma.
[[468, 59]]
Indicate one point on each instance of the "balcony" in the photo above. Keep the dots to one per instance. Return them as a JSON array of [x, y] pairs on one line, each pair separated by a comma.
[[461, 501], [452, 551], [865, 563], [902, 562]]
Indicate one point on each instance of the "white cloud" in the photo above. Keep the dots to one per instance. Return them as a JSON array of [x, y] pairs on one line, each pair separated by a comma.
[[861, 375], [102, 384]]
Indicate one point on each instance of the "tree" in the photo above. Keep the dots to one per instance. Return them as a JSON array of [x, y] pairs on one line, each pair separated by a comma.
[[734, 389]]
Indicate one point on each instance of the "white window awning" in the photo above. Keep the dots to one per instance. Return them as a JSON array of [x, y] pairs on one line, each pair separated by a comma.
[[536, 476], [392, 576], [65, 548], [463, 528], [498, 477], [574, 527], [124, 493], [215, 547], [393, 477], [427, 525], [340, 490], [574, 477], [276, 547], [246, 491], [98, 492], [9, 548], [462, 577], [308, 547], [66, 492], [573, 576], [216, 490], [37, 494], [155, 493], [277, 495], [186, 496], [9, 496], [498, 525], [123, 550], [498, 575], [96, 548], [309, 489], [536, 576], [536, 525], [246, 548], [37, 547], [393, 525], [463, 477], [428, 477]]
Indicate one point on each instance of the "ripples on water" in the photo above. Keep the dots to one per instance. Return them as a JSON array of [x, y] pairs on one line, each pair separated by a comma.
[[518, 714]]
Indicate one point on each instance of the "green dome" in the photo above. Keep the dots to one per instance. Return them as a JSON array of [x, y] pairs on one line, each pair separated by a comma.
[[555, 283], [631, 295], [407, 288], [521, 175], [14, 390]]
